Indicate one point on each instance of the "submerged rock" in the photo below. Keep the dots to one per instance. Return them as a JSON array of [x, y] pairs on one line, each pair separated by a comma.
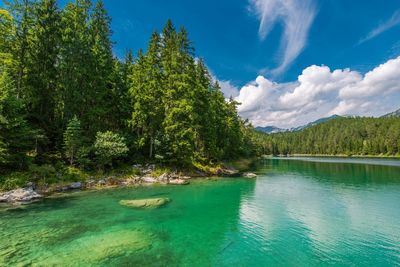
[[145, 203], [19, 195], [249, 175], [178, 181]]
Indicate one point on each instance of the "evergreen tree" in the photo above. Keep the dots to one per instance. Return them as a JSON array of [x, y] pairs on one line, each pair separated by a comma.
[[42, 89], [146, 92], [178, 80], [76, 63], [72, 139], [99, 106]]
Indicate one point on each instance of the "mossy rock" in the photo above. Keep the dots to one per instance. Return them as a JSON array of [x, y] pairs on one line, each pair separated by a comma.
[[145, 203]]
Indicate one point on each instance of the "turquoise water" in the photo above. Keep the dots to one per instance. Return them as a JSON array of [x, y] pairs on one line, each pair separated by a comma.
[[303, 212]]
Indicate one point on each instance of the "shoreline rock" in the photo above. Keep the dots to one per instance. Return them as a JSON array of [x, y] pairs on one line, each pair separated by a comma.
[[179, 181], [20, 195], [249, 175], [34, 192]]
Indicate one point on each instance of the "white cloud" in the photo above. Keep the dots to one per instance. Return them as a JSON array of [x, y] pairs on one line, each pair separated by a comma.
[[320, 92], [228, 89], [296, 16], [393, 21]]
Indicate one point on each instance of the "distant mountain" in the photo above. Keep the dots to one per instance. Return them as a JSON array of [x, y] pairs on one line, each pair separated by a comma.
[[270, 129], [392, 114], [308, 125], [273, 129]]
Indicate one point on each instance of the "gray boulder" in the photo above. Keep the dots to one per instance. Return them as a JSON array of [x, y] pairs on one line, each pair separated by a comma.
[[149, 179], [19, 195], [178, 182], [77, 185]]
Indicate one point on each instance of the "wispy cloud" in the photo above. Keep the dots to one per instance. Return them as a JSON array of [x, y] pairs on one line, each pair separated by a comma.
[[390, 23], [297, 18]]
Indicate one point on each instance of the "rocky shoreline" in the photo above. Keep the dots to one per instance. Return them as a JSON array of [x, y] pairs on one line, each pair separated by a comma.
[[32, 192]]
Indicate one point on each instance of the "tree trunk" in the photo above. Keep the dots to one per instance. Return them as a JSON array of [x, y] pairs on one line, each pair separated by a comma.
[[151, 147]]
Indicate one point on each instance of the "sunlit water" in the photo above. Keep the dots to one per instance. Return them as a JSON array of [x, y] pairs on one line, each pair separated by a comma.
[[296, 213]]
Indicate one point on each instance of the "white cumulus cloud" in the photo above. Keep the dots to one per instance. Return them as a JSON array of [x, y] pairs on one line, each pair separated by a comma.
[[296, 17], [320, 91], [228, 89]]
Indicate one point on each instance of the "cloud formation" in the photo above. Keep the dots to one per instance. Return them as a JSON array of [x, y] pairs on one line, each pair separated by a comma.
[[228, 89], [296, 17], [390, 23], [319, 92]]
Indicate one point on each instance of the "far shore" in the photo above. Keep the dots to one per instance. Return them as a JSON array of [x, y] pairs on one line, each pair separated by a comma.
[[335, 156]]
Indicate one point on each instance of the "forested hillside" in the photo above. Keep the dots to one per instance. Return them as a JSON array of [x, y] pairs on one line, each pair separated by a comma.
[[339, 136], [66, 99]]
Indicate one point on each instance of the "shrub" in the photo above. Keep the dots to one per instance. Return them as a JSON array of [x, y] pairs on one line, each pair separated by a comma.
[[44, 173], [108, 147], [74, 174], [12, 181]]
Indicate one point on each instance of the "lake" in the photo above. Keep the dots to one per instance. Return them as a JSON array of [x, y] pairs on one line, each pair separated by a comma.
[[297, 212]]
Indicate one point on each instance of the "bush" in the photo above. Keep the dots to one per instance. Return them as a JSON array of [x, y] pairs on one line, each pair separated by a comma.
[[44, 173], [12, 181], [108, 147], [74, 174]]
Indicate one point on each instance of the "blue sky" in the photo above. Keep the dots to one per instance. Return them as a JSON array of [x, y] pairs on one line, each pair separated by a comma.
[[288, 62], [225, 34]]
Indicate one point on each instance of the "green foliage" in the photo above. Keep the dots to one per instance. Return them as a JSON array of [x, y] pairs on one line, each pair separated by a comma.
[[158, 171], [72, 139], [109, 146], [15, 134], [42, 174], [13, 180], [179, 114], [73, 174], [340, 136]]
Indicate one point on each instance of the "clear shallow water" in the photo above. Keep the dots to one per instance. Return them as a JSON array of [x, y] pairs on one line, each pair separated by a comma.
[[296, 213]]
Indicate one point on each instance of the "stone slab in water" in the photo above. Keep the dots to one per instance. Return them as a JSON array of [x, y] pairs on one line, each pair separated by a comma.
[[145, 203]]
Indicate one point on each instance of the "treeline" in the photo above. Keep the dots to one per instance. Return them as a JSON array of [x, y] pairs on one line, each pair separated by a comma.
[[340, 136], [64, 96]]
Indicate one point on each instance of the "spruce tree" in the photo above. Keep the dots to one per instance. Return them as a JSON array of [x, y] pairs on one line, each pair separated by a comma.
[[146, 92], [43, 91], [72, 139]]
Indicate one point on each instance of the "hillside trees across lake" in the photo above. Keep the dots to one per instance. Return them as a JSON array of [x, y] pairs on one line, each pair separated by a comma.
[[63, 93], [339, 136]]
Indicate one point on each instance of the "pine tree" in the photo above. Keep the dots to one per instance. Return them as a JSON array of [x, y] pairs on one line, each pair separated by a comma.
[[76, 63], [178, 80], [146, 92], [99, 106], [21, 12], [43, 94], [72, 139]]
